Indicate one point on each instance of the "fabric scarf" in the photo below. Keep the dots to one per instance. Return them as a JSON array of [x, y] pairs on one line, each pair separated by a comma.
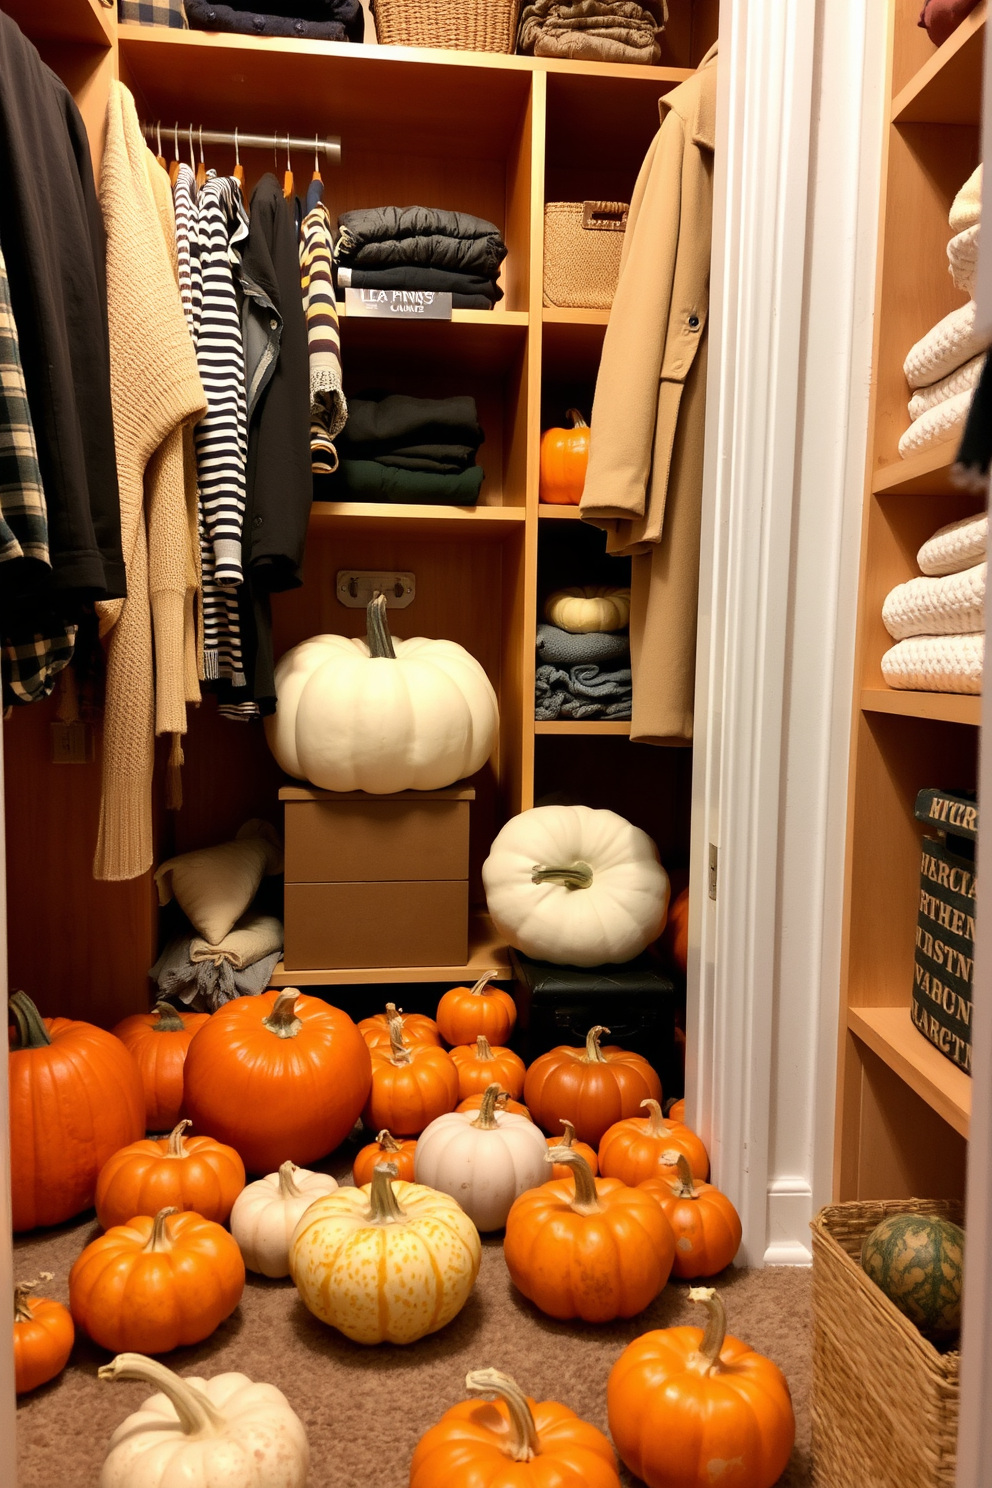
[[328, 408]]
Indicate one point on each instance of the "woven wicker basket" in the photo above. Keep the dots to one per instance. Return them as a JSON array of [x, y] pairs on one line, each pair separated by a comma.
[[455, 25], [583, 242], [885, 1401]]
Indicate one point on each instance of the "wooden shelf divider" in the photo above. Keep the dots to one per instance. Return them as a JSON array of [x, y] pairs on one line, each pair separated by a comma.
[[87, 22], [485, 951], [946, 707], [947, 89], [889, 1033], [925, 474], [583, 726]]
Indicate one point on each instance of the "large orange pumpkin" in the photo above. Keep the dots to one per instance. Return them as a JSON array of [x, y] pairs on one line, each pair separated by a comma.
[[281, 1077], [591, 1087], [682, 1401], [564, 460], [75, 1098], [174, 1172], [411, 1085], [43, 1337], [417, 1028], [154, 1284], [562, 1170], [593, 1249], [706, 1226], [513, 1441], [159, 1041], [479, 1065], [503, 1103], [385, 1149], [676, 934], [640, 1147], [465, 1012]]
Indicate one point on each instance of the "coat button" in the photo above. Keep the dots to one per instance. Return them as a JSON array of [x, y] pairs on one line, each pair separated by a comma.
[[300, 28], [694, 322], [273, 325], [256, 521]]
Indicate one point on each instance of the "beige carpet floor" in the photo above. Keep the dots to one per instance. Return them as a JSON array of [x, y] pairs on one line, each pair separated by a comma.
[[364, 1409]]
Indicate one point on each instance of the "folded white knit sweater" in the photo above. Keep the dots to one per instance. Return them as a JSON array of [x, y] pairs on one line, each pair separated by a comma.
[[955, 547], [953, 605], [936, 664], [962, 258], [936, 425], [945, 347], [961, 381], [966, 208]]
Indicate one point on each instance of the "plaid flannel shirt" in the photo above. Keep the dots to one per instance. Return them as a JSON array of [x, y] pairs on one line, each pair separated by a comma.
[[153, 13], [23, 514]]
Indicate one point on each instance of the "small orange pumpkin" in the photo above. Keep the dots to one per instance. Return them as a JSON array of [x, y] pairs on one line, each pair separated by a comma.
[[592, 1087], [503, 1102], [479, 1065], [43, 1337], [676, 1111], [151, 1285], [680, 1400], [173, 1172], [465, 1012], [384, 1149], [562, 1170], [675, 938], [158, 1042], [417, 1028], [639, 1147], [564, 460], [410, 1085], [706, 1226]]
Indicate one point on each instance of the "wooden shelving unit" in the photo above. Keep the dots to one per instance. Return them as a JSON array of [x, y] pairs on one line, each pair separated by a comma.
[[903, 1108], [567, 727]]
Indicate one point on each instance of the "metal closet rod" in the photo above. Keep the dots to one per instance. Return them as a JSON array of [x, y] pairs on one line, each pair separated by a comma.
[[328, 146]]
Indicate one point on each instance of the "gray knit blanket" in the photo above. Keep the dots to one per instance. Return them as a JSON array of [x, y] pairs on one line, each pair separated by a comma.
[[207, 985], [584, 691], [562, 648]]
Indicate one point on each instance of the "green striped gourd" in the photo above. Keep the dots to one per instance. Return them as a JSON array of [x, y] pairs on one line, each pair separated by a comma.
[[917, 1261]]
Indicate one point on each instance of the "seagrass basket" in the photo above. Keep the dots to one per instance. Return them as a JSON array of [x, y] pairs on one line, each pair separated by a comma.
[[455, 25], [885, 1400], [583, 242]]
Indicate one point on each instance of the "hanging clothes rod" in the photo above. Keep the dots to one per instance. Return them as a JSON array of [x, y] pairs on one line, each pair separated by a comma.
[[329, 146]]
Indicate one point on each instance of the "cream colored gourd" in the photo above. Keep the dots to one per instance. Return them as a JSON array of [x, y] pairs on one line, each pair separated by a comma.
[[266, 1213], [585, 608], [387, 1263], [381, 715], [483, 1158], [575, 886], [210, 1433]]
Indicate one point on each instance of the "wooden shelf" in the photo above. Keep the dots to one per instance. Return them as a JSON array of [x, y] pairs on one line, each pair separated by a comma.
[[948, 87], [84, 21], [486, 951], [584, 726], [925, 474], [555, 513], [487, 342], [552, 316], [889, 1033], [945, 707], [471, 523]]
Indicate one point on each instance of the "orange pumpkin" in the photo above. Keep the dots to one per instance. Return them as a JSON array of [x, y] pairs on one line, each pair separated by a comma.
[[681, 1400], [562, 1170], [75, 1098], [410, 1085], [169, 1172], [154, 1284], [676, 934], [384, 1149], [676, 1111], [43, 1337], [280, 1078], [479, 1066], [159, 1041], [564, 459], [640, 1147], [593, 1249], [514, 1440], [591, 1087], [503, 1102], [465, 1012], [706, 1226], [417, 1028]]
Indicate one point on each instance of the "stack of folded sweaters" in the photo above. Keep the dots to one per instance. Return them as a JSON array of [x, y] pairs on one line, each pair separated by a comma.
[[938, 620], [421, 248], [411, 450], [309, 20], [583, 673], [593, 30], [944, 366]]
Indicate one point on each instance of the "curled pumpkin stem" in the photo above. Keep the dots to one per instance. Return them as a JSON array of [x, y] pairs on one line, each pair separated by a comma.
[[706, 1359], [657, 1125], [483, 1049], [574, 876], [486, 1119], [196, 1411], [522, 1444], [686, 1185], [398, 1051], [169, 1020], [177, 1147], [282, 1021], [568, 1140], [586, 1199], [594, 1053], [481, 987], [287, 1184], [380, 642], [384, 1206], [31, 1030], [387, 1141]]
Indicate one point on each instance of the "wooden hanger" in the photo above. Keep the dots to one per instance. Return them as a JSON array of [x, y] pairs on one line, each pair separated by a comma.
[[287, 180], [316, 162], [174, 167], [201, 169], [158, 140], [239, 170]]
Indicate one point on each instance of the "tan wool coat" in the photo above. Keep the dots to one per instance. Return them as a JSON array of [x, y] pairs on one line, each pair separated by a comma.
[[644, 482]]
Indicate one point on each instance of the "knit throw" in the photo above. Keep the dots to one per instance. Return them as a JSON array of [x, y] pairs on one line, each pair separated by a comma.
[[328, 409]]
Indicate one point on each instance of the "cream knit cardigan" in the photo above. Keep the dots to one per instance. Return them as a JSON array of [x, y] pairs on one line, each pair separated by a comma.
[[155, 391]]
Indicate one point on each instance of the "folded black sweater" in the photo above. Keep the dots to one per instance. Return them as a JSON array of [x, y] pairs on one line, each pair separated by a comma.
[[385, 237], [414, 276], [309, 20], [396, 421]]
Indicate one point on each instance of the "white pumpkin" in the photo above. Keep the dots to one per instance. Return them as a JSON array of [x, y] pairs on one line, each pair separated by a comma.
[[588, 607], [383, 715], [266, 1213], [211, 1433], [575, 886], [485, 1159]]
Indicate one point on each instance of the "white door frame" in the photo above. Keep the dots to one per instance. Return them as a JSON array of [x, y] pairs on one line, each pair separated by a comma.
[[8, 1407]]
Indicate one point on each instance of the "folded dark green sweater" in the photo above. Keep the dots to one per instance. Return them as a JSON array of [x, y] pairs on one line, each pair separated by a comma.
[[366, 480]]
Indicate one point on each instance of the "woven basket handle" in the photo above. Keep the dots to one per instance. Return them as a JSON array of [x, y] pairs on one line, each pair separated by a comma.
[[604, 216]]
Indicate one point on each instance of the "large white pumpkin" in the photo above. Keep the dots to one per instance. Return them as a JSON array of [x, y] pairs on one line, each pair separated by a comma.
[[576, 886], [266, 1213], [485, 1159], [381, 715]]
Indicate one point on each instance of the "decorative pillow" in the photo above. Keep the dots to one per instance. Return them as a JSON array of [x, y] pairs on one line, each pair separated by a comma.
[[153, 13], [940, 18], [215, 885]]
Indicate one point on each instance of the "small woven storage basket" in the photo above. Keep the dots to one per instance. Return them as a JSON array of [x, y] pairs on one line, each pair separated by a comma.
[[454, 25], [885, 1401], [583, 242]]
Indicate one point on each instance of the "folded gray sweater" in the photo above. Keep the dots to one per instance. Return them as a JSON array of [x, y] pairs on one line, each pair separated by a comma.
[[584, 691], [562, 648]]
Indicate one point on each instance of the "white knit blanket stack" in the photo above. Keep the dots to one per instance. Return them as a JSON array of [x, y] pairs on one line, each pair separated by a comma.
[[938, 620], [944, 366]]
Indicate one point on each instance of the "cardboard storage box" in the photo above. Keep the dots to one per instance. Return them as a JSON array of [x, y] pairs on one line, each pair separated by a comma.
[[944, 959], [376, 880]]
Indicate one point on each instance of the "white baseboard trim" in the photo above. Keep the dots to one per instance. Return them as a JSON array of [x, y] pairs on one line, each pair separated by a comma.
[[789, 1211]]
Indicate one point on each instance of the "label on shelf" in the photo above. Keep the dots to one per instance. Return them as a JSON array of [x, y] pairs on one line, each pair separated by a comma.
[[390, 304]]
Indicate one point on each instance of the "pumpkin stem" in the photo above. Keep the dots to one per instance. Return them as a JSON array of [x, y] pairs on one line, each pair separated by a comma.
[[22, 1298], [586, 1199], [287, 1188], [388, 1142], [486, 1119], [578, 876], [196, 1411], [522, 1445], [578, 422], [282, 1021], [159, 1237], [399, 1053], [377, 629], [31, 1030], [657, 1126], [706, 1359], [384, 1207], [686, 1188], [169, 1020], [483, 1048], [568, 1140], [177, 1147], [594, 1053], [479, 990]]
